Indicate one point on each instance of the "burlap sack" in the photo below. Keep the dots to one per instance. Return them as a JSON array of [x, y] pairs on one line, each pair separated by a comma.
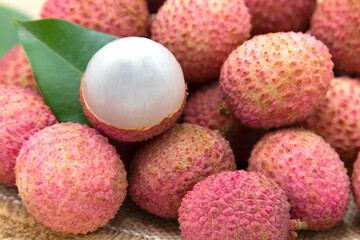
[[133, 223]]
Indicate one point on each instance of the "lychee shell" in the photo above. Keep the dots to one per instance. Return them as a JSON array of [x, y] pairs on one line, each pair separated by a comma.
[[22, 113], [201, 34], [276, 79], [310, 172], [15, 69], [236, 205], [121, 18], [168, 166], [70, 178]]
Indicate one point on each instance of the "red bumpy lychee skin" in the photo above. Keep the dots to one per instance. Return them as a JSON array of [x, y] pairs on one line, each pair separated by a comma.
[[237, 205], [207, 108], [70, 178], [15, 69], [310, 172], [276, 79], [337, 118], [337, 24], [201, 34], [355, 179], [22, 114], [280, 15], [121, 18], [168, 166]]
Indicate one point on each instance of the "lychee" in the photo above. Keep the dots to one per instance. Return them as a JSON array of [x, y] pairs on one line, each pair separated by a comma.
[[237, 205], [337, 118], [168, 166], [133, 89], [22, 114], [70, 178], [207, 108], [337, 24], [356, 181], [276, 79], [121, 18], [310, 172], [15, 69], [280, 16], [201, 34]]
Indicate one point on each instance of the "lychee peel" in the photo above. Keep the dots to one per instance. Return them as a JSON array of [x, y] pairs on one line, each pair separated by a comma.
[[276, 79], [280, 15], [337, 24], [168, 166], [337, 118], [15, 69], [201, 34], [237, 205], [22, 114], [70, 178], [310, 172], [121, 18], [355, 179]]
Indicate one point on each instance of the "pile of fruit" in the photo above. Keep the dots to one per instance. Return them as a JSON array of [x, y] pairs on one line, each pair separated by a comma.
[[241, 118]]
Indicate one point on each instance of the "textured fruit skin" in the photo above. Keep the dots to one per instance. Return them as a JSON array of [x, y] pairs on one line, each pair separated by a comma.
[[280, 16], [167, 167], [121, 18], [310, 172], [15, 69], [355, 179], [201, 34], [207, 108], [22, 114], [337, 118], [70, 178], [337, 24], [236, 205], [129, 135], [276, 79]]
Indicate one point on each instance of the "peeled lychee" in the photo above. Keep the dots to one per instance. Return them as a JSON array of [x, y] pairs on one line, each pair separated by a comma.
[[310, 172], [280, 15], [133, 89], [70, 178], [237, 205], [276, 79], [15, 69], [207, 108], [201, 34], [337, 24], [22, 114], [337, 118], [121, 18], [167, 167]]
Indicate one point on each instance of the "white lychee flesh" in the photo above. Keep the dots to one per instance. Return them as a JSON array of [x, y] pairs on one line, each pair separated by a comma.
[[133, 83]]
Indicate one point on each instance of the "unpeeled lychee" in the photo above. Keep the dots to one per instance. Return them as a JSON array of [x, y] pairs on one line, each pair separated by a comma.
[[337, 24], [168, 166], [310, 172], [207, 108], [355, 179], [276, 79], [237, 205], [201, 34], [337, 118], [22, 114], [280, 15], [15, 69], [121, 18], [70, 178]]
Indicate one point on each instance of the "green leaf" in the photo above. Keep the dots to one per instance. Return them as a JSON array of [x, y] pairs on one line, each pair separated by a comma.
[[8, 35], [59, 52]]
